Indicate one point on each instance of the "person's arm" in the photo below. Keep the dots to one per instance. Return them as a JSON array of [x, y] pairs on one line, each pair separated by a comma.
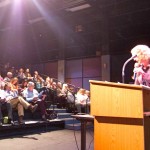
[[146, 76], [2, 96]]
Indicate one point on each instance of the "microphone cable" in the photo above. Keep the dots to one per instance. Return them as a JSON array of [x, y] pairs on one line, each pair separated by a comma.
[[75, 134]]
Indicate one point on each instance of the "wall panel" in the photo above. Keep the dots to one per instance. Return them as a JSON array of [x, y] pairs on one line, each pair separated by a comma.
[[74, 68], [37, 67], [77, 82], [91, 67], [86, 84], [51, 68]]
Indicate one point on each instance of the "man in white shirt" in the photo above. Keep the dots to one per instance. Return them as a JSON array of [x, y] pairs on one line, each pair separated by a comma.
[[3, 101], [18, 102], [32, 96]]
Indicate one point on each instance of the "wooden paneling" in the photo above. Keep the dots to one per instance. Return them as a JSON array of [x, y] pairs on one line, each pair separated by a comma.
[[119, 122], [115, 100], [118, 134]]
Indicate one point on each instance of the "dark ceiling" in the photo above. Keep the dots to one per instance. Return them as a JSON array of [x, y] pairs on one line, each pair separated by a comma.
[[34, 31]]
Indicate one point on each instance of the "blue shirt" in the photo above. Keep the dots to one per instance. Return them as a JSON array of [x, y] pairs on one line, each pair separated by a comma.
[[29, 95]]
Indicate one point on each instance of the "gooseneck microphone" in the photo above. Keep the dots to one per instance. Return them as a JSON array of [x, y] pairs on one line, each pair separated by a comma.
[[124, 65]]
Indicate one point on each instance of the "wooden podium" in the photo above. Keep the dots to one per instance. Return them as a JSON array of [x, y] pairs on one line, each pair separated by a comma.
[[119, 120]]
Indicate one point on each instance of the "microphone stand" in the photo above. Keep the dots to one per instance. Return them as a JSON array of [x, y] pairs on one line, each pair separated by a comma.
[[123, 68]]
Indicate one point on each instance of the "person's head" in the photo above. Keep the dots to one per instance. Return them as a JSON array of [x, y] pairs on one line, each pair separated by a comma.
[[14, 80], [9, 74], [27, 70], [59, 84], [21, 70], [36, 73], [8, 87], [51, 81], [81, 91], [142, 53], [30, 86], [24, 83], [54, 85], [65, 86], [47, 79]]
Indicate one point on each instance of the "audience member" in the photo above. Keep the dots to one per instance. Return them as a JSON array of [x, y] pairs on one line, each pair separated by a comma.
[[8, 77], [31, 88], [82, 101], [17, 102], [28, 74], [32, 96], [21, 76], [3, 101]]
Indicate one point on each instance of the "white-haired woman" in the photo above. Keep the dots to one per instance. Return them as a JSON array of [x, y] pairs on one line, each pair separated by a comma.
[[142, 67]]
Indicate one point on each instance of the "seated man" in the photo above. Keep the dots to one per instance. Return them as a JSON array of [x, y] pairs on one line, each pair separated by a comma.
[[17, 102], [8, 77], [32, 96], [9, 108]]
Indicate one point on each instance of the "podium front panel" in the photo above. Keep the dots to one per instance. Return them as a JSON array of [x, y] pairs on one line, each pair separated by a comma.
[[116, 100], [118, 134]]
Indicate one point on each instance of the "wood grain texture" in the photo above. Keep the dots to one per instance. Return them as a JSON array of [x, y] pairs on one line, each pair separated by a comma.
[[119, 134], [119, 123], [116, 101]]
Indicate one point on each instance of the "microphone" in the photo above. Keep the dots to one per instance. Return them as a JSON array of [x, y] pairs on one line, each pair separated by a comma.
[[134, 56], [124, 65]]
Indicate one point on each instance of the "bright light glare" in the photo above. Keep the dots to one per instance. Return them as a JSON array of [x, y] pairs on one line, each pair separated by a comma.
[[17, 2]]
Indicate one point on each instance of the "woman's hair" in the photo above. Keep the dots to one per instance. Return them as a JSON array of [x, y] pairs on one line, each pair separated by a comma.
[[14, 79], [142, 52]]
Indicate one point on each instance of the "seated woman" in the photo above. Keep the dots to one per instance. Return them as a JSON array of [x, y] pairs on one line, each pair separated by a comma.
[[38, 80], [22, 86], [17, 102], [32, 96], [82, 101], [14, 84], [28, 74]]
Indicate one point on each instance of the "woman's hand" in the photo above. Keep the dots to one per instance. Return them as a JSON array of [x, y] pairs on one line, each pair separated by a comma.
[[138, 70]]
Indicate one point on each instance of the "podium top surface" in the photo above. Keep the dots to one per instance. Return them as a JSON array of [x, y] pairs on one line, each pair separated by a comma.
[[86, 117], [114, 84]]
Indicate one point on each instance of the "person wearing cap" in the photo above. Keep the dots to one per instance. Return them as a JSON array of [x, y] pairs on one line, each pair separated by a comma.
[[142, 67]]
